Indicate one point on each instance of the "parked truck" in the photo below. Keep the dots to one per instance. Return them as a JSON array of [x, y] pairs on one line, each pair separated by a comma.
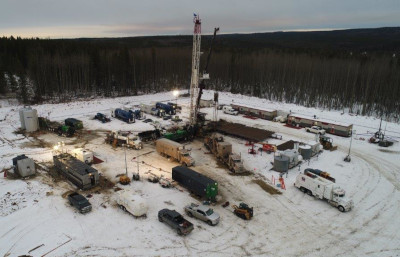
[[79, 202], [149, 135], [176, 221], [124, 138], [229, 110], [195, 182], [123, 115], [178, 135], [169, 109], [171, 149], [325, 189], [223, 151]]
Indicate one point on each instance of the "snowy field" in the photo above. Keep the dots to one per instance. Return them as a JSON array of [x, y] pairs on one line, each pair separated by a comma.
[[33, 212]]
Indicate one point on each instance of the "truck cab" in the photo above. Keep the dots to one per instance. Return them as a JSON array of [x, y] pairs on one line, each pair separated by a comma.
[[229, 110], [235, 163], [185, 157], [340, 200]]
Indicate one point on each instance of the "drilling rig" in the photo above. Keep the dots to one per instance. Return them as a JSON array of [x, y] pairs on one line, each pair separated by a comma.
[[197, 83]]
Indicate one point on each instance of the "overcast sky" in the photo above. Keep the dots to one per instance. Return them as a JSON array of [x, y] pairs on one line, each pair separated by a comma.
[[124, 18]]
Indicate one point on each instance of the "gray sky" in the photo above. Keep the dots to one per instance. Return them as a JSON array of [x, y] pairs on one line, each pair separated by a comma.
[[124, 18]]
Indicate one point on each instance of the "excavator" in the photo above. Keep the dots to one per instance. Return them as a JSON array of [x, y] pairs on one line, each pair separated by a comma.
[[243, 211]]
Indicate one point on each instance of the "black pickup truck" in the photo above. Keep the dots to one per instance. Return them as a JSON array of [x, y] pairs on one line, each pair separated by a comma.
[[176, 221], [79, 202]]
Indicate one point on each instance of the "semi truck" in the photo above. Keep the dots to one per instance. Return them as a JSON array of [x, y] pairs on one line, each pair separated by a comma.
[[171, 149], [325, 189], [169, 109], [223, 151], [179, 135], [123, 115], [124, 138], [149, 135], [195, 182]]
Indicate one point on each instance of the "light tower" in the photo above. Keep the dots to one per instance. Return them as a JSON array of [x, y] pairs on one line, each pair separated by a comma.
[[194, 84]]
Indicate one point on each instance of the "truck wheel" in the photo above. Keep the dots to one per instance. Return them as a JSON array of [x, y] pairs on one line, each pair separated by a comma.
[[309, 193], [341, 208], [122, 208], [189, 214], [209, 222], [160, 219], [302, 189], [179, 231]]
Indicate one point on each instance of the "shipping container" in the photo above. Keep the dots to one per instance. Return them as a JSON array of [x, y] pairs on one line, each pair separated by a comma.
[[195, 182]]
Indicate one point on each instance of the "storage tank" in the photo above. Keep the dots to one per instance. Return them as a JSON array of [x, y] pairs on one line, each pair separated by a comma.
[[305, 151], [31, 120], [281, 163], [21, 116]]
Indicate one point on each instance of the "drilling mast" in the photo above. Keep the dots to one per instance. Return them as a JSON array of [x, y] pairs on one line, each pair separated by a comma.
[[194, 84]]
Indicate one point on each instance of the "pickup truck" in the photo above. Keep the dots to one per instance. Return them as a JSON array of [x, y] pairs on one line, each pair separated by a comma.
[[176, 221], [316, 130], [79, 202], [229, 110], [102, 117], [202, 212]]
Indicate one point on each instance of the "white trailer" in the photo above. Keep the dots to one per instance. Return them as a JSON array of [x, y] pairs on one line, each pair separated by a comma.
[[322, 188], [134, 204]]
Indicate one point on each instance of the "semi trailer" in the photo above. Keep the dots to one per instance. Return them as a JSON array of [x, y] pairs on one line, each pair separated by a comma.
[[171, 149], [195, 182]]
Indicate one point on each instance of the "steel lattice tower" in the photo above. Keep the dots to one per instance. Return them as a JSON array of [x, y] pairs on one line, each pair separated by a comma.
[[194, 84]]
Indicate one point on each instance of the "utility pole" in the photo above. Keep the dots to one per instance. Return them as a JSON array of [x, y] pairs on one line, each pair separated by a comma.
[[348, 158]]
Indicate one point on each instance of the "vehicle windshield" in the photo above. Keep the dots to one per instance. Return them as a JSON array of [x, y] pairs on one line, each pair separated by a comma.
[[179, 219], [237, 160], [339, 195], [209, 212], [185, 154]]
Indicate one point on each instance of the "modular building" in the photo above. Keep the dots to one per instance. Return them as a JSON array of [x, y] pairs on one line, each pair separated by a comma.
[[263, 113], [331, 127], [78, 172], [195, 182]]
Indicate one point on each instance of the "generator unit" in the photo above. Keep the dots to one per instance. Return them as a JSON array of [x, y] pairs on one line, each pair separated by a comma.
[[24, 166], [76, 171], [74, 123]]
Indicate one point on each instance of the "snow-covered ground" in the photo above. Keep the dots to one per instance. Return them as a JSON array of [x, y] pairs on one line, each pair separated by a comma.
[[33, 211]]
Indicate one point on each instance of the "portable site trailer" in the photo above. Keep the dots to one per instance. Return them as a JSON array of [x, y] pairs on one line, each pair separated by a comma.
[[263, 113], [24, 166], [78, 172], [331, 127]]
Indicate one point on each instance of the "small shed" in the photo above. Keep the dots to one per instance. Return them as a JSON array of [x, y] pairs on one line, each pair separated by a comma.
[[24, 166]]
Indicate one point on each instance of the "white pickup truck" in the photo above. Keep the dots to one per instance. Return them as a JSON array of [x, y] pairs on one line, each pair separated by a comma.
[[229, 110], [316, 130]]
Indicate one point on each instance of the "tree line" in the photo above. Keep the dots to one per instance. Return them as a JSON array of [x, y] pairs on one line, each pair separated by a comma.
[[315, 74]]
